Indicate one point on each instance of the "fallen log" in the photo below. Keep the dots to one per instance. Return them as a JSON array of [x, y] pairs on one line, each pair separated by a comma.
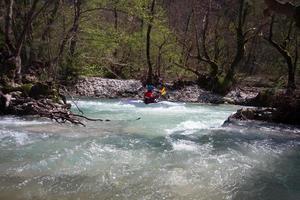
[[19, 104], [43, 101]]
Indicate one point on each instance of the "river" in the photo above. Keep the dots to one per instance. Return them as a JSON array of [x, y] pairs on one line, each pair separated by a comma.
[[174, 151]]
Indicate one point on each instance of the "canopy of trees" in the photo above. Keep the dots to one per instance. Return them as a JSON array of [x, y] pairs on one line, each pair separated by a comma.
[[209, 40]]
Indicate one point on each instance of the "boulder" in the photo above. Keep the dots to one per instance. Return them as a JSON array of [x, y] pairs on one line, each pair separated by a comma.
[[5, 100], [105, 88], [242, 96], [39, 90]]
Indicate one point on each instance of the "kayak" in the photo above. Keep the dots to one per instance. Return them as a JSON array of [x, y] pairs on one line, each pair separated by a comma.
[[150, 100]]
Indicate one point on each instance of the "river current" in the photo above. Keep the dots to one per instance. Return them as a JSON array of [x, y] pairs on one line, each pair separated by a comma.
[[174, 151]]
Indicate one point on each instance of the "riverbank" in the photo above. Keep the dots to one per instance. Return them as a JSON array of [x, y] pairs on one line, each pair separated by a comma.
[[269, 106], [48, 100], [111, 88]]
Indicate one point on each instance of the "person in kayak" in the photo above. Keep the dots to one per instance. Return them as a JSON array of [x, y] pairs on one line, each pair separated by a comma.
[[149, 96]]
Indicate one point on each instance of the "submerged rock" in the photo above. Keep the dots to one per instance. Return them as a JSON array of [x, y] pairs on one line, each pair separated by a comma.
[[271, 115], [260, 114]]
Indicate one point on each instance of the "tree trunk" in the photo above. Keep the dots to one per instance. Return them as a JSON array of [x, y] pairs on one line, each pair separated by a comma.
[[73, 30], [15, 49], [47, 31], [8, 25], [291, 86], [70, 35], [213, 65], [240, 42], [115, 18], [148, 44], [73, 43], [18, 67]]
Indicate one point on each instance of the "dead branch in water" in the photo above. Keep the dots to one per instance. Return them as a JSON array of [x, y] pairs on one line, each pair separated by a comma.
[[44, 107]]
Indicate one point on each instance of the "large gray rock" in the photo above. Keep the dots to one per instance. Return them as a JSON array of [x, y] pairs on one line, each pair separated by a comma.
[[106, 88], [194, 94], [242, 96]]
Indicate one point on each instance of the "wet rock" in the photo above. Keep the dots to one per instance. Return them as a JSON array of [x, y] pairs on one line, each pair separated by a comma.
[[39, 90], [242, 96], [209, 97], [186, 94], [261, 114], [271, 115]]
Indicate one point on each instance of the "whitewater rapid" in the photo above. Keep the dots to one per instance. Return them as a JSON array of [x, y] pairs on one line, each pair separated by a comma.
[[174, 151]]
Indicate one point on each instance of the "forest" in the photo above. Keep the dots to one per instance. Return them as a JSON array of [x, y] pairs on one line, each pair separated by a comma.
[[149, 99], [208, 40], [214, 44]]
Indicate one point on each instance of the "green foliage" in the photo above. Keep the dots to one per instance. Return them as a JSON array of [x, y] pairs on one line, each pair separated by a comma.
[[222, 84], [111, 39], [25, 88], [70, 68], [101, 45]]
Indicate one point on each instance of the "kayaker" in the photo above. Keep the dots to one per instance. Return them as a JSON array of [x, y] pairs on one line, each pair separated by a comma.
[[149, 96]]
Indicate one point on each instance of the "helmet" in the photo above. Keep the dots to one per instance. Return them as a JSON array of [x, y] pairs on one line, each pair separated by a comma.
[[150, 87]]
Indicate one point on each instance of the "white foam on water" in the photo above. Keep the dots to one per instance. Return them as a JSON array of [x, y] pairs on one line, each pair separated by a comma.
[[112, 159], [188, 127], [167, 110], [83, 103], [182, 145], [95, 106], [16, 121], [16, 137], [134, 101], [169, 103]]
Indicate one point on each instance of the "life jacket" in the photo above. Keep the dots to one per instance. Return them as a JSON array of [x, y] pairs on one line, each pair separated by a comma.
[[148, 94], [149, 97]]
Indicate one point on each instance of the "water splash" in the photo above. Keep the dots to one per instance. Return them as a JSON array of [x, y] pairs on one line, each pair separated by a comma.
[[176, 151]]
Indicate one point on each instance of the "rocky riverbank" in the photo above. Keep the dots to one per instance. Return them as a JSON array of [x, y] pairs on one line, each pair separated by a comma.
[[284, 109], [39, 99], [112, 88], [268, 106], [46, 100]]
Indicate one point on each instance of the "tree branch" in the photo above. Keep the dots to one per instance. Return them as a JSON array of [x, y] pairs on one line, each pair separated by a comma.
[[287, 9], [8, 25]]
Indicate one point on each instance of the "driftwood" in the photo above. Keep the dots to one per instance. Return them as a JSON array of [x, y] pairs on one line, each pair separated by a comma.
[[16, 104], [43, 108], [72, 98]]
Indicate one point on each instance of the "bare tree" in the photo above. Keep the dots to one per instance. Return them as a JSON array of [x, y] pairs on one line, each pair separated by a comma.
[[282, 48], [212, 58], [14, 45], [288, 9], [148, 43]]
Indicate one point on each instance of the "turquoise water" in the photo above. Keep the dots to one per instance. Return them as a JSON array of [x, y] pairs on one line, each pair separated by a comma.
[[175, 151]]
